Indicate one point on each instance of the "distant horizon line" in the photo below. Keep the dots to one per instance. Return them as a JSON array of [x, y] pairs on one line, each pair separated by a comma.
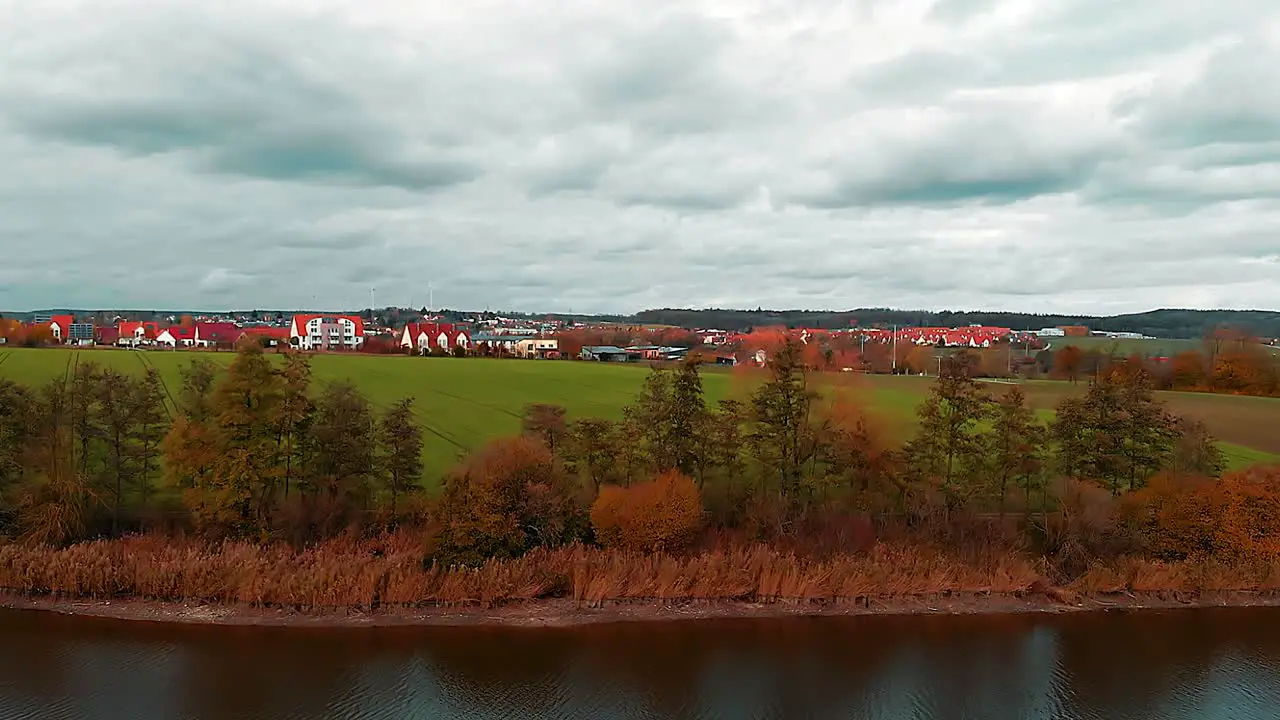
[[759, 310]]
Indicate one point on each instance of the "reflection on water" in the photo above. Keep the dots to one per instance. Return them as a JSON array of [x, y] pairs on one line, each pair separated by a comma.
[[1169, 665]]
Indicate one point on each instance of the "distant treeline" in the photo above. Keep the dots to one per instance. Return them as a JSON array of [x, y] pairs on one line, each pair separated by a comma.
[[1178, 324]]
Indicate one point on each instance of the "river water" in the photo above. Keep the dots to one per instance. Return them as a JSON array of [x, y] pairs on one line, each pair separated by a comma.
[[1170, 665]]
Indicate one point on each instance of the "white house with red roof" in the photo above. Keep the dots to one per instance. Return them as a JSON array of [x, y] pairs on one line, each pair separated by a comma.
[[326, 332], [427, 336], [176, 337], [60, 325], [133, 334]]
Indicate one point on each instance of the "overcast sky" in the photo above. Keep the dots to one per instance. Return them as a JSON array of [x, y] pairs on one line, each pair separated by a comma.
[[1038, 155]]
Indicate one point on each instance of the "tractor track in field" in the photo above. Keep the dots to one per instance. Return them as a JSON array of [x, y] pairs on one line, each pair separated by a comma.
[[486, 406], [171, 407], [5, 356], [73, 362]]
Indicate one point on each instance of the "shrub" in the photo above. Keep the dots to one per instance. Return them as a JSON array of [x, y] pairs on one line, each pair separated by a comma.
[[1232, 519], [663, 514], [510, 496]]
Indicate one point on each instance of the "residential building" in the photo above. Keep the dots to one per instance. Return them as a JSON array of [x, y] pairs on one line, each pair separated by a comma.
[[66, 330], [134, 334], [538, 347], [176, 337], [266, 335], [656, 352], [327, 332], [1051, 332], [216, 334], [605, 353], [492, 342], [106, 334], [428, 336], [60, 325]]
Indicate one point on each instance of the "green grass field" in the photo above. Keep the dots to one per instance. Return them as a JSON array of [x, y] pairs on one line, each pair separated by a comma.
[[464, 402]]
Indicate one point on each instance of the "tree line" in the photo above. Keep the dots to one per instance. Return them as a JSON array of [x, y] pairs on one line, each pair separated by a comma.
[[1165, 323], [258, 452], [1236, 367], [254, 451]]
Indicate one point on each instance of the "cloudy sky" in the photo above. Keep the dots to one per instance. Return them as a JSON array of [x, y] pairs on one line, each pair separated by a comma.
[[1046, 155]]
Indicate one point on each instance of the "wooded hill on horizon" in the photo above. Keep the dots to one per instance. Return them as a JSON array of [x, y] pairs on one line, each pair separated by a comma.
[[1163, 323]]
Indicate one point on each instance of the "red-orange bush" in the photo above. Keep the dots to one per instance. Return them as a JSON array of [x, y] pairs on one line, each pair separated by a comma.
[[511, 496], [663, 514], [1235, 518]]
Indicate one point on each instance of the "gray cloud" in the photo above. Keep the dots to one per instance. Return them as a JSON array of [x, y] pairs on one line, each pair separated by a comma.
[[1074, 155]]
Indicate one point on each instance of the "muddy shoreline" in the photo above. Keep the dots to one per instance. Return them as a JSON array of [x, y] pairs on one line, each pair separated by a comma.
[[567, 613]]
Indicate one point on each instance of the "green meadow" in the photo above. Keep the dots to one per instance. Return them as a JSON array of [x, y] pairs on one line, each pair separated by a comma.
[[462, 403]]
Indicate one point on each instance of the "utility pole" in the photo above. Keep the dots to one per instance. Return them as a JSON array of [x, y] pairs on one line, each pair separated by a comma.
[[431, 297], [895, 349]]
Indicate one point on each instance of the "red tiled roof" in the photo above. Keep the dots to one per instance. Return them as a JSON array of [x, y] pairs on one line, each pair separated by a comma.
[[278, 333], [64, 324], [224, 332], [181, 333], [299, 324]]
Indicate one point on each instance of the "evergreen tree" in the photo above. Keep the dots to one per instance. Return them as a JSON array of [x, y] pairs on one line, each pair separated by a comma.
[[342, 445], [293, 416], [780, 437], [687, 420], [1014, 444], [589, 448], [948, 449], [153, 422], [650, 418], [400, 450], [235, 448], [81, 396], [1117, 434], [116, 423]]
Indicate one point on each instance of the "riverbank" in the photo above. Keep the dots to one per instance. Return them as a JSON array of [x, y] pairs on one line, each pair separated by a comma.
[[567, 613]]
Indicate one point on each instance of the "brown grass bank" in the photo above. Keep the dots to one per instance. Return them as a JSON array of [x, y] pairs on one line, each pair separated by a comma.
[[383, 581]]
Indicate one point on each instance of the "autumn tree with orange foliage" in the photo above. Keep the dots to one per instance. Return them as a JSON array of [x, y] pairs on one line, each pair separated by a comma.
[[660, 515], [921, 360], [853, 450], [1247, 370], [1232, 519], [1068, 363], [510, 497], [1188, 370]]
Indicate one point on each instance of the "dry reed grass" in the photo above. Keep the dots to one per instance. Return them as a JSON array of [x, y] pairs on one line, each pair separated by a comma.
[[1136, 574], [387, 571]]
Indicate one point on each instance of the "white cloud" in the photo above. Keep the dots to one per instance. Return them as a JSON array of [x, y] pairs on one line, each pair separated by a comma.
[[1074, 155]]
